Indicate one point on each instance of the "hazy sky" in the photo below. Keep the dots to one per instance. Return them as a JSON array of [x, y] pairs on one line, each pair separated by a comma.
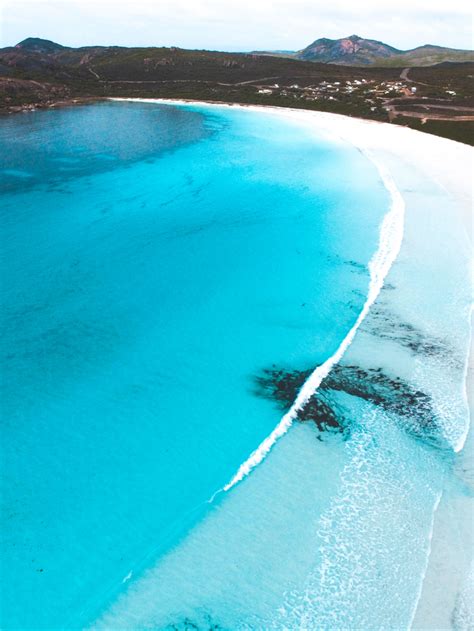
[[236, 25]]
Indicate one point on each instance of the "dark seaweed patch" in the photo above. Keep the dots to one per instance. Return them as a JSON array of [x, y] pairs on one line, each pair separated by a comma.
[[283, 386], [392, 394]]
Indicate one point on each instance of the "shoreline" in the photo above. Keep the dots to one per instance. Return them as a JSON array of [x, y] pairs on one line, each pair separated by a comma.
[[446, 161], [328, 121], [448, 164], [85, 100], [49, 105]]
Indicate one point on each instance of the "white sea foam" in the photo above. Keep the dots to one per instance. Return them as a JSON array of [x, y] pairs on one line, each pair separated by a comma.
[[463, 614], [390, 240], [462, 439], [428, 555]]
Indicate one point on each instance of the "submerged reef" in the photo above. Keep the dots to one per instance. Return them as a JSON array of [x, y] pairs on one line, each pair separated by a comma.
[[392, 394]]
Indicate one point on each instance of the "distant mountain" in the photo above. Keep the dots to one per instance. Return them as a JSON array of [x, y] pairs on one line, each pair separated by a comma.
[[38, 45], [353, 50], [357, 51]]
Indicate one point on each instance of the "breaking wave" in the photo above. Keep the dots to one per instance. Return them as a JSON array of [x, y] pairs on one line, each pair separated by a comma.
[[390, 240]]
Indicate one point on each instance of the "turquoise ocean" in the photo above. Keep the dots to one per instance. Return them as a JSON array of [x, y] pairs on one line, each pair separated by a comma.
[[166, 272]]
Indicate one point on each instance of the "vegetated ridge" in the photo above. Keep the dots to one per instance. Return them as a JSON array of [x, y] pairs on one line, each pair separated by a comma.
[[437, 99]]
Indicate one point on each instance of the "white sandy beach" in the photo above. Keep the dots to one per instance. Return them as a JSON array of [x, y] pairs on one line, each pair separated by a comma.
[[449, 164]]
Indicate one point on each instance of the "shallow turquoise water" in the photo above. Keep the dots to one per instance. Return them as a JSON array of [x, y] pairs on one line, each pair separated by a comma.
[[155, 260], [331, 532]]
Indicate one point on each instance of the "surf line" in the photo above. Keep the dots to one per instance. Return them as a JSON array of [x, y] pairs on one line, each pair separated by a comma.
[[390, 241]]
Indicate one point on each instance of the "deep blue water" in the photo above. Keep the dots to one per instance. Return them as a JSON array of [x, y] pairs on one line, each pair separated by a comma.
[[155, 259]]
